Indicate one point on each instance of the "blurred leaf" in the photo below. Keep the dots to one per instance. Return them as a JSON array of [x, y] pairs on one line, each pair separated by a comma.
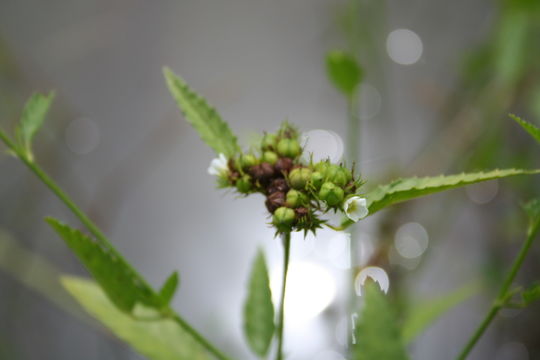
[[169, 288], [258, 309], [406, 189], [530, 128], [343, 71], [157, 339], [426, 312], [377, 334], [119, 282], [32, 119], [204, 118], [531, 294], [532, 208]]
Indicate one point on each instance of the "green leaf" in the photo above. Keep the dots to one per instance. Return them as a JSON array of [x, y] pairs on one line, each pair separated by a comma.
[[156, 338], [532, 208], [343, 71], [531, 294], [377, 334], [32, 119], [212, 129], [258, 309], [169, 288], [406, 189], [530, 128], [426, 312], [119, 282]]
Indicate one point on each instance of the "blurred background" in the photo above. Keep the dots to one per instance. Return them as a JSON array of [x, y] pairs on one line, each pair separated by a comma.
[[440, 79]]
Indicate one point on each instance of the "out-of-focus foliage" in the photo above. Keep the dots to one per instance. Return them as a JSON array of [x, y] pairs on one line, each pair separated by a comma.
[[343, 71]]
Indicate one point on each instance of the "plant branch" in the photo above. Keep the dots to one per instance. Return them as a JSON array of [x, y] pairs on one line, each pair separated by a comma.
[[286, 237], [502, 297]]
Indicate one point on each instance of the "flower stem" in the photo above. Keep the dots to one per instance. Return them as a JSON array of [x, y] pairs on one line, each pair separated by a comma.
[[100, 237], [286, 238], [501, 299]]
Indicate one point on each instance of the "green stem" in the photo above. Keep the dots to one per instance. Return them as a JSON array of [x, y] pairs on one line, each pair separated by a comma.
[[353, 128], [502, 297], [97, 233], [286, 237]]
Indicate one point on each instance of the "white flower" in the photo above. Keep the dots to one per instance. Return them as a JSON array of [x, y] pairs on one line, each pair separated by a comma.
[[356, 208], [218, 166]]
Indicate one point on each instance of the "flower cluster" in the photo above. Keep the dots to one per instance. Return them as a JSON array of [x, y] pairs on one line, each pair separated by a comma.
[[297, 191]]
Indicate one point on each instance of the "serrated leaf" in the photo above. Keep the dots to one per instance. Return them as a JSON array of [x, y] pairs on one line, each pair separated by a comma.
[[155, 338], [530, 128], [531, 294], [426, 312], [343, 71], [377, 333], [259, 324], [406, 189], [211, 128], [119, 282], [32, 119], [169, 288], [532, 208]]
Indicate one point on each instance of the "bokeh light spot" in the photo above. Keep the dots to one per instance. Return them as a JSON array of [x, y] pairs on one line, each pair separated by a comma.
[[404, 46]]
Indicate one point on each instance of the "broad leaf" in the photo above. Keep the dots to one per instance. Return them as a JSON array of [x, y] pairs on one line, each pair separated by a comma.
[[258, 309], [204, 118], [169, 288], [426, 312], [410, 188], [533, 130], [119, 282], [154, 337], [343, 71], [531, 294], [32, 118], [377, 334], [532, 208]]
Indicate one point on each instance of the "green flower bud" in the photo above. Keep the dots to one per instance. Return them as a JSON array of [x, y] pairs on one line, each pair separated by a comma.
[[331, 194], [317, 180], [243, 185], [270, 157], [283, 219], [248, 160], [298, 178], [269, 141], [322, 167], [294, 198], [289, 148]]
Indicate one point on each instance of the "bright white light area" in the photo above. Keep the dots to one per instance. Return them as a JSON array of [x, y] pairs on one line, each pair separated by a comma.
[[404, 46], [310, 289], [323, 144], [339, 250], [82, 136], [411, 240], [374, 273], [370, 101], [483, 192]]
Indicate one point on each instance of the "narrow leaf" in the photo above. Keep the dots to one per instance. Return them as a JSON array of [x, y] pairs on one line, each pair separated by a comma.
[[32, 119], [531, 294], [154, 337], [123, 287], [426, 312], [258, 309], [211, 128], [377, 334], [343, 71], [169, 288], [406, 189], [533, 130]]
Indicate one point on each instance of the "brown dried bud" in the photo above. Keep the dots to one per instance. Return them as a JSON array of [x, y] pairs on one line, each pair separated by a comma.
[[275, 200], [284, 165], [278, 184], [301, 211]]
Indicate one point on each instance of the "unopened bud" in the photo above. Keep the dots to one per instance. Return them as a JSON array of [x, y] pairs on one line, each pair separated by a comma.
[[298, 178], [247, 161], [283, 219], [269, 142], [289, 148], [331, 194], [317, 180], [243, 185], [294, 198], [270, 157]]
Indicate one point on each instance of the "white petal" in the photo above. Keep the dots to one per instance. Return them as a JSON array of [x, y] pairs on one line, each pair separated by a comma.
[[356, 208], [218, 166]]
